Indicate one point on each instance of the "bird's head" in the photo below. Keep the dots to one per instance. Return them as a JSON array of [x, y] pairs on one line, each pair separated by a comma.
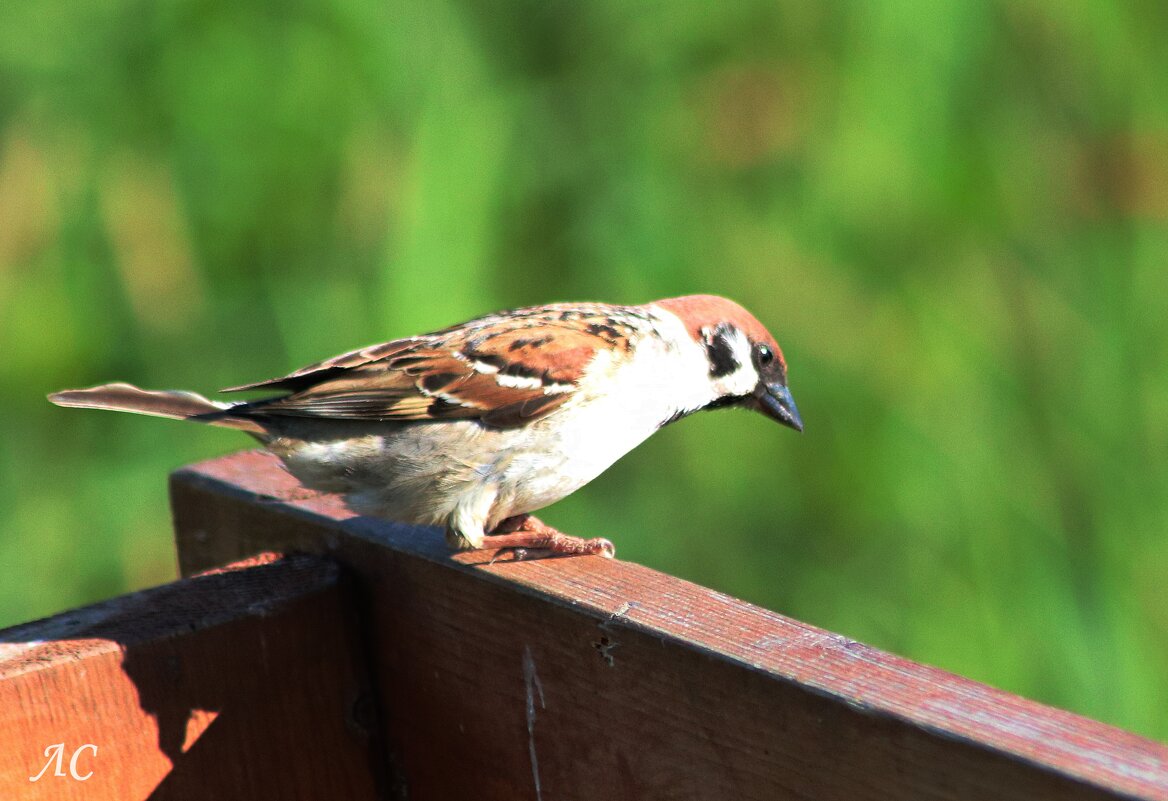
[[746, 366]]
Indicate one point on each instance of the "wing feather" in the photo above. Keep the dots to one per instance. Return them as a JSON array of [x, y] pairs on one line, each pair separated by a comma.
[[503, 370]]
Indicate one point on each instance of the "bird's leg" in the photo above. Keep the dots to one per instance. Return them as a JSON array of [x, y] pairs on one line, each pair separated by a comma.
[[525, 531]]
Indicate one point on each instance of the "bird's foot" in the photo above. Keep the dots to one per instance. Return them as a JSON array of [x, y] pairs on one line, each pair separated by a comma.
[[522, 532]]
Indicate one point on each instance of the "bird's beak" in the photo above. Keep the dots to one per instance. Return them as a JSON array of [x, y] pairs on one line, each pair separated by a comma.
[[775, 401]]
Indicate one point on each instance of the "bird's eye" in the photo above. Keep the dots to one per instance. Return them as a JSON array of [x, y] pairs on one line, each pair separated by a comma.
[[765, 355]]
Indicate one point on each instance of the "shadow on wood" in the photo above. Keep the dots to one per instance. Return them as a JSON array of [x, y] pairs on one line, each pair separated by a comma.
[[247, 683]]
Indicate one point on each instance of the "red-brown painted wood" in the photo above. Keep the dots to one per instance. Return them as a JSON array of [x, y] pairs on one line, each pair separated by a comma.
[[590, 679], [247, 684]]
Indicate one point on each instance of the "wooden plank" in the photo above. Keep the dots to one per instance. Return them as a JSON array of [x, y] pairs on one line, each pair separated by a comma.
[[591, 679], [247, 683]]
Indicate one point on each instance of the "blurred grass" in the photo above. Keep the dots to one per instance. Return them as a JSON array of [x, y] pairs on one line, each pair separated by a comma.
[[954, 214]]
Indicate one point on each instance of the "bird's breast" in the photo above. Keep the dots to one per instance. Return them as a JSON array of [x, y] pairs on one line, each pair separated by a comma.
[[559, 454]]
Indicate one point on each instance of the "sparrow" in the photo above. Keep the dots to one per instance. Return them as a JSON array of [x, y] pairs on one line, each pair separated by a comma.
[[475, 426]]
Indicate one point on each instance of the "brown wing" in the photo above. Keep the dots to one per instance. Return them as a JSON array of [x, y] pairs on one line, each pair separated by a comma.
[[500, 370], [319, 371]]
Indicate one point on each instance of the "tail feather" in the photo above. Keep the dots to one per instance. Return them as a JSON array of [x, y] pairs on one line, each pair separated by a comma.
[[175, 404]]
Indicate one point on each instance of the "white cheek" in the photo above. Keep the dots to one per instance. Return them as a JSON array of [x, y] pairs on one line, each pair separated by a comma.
[[741, 382]]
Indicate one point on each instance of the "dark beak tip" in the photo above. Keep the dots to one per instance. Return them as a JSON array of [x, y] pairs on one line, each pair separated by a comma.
[[778, 404], [793, 421]]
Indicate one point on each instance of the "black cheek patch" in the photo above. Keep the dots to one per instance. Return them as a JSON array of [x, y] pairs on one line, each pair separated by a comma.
[[720, 353]]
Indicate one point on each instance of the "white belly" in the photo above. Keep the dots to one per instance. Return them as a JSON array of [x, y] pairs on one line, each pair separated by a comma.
[[423, 473]]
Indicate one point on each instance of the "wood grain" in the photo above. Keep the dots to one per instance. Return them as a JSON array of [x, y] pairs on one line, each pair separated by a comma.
[[243, 684], [584, 678]]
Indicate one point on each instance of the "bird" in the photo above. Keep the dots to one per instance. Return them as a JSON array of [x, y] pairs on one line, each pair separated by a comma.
[[476, 426]]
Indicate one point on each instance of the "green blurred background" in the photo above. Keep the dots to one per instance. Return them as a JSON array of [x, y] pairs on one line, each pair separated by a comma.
[[953, 214]]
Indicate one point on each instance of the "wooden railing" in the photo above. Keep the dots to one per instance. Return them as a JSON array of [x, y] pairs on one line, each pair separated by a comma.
[[371, 664]]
